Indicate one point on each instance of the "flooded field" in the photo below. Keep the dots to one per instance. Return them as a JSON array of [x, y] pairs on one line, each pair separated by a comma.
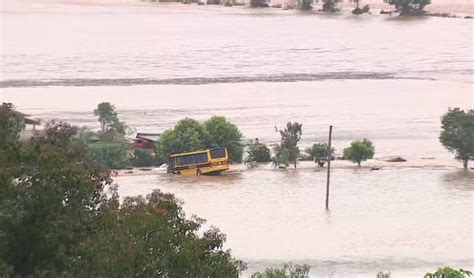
[[384, 78], [406, 221]]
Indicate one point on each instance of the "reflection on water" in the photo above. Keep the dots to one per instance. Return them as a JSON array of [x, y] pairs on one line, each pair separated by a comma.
[[407, 221]]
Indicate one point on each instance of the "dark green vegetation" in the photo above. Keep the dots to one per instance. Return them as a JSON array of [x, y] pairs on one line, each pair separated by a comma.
[[409, 7], [305, 5], [258, 152], [287, 271], [457, 134], [359, 151], [108, 118], [288, 150], [447, 272], [191, 135], [60, 216], [319, 153]]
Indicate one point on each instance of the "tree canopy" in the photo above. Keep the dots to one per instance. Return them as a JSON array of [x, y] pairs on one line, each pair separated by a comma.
[[109, 120], [359, 151], [191, 135], [258, 152], [319, 153], [457, 134]]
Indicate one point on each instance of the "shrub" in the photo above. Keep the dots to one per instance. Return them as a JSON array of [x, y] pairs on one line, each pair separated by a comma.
[[144, 158], [319, 153], [359, 151], [258, 152]]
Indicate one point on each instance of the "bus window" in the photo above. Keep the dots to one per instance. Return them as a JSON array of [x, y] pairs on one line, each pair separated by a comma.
[[217, 153]]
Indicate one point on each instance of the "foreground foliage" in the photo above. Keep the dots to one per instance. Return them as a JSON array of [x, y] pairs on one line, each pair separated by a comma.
[[287, 271], [457, 134], [57, 218], [359, 151]]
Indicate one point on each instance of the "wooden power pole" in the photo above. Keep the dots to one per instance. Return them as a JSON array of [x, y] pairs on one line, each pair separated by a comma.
[[329, 167]]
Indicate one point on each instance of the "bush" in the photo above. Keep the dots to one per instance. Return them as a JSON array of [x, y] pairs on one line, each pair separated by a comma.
[[111, 153], [144, 158], [319, 153], [258, 152], [359, 151]]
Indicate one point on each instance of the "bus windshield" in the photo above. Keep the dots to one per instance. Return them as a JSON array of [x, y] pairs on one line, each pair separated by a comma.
[[217, 153]]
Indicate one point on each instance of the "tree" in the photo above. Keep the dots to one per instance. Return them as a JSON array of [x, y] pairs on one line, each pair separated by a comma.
[[282, 157], [258, 152], [290, 137], [409, 7], [305, 5], [457, 134], [359, 151], [187, 135], [222, 133], [58, 220], [191, 135], [319, 153], [447, 272], [287, 271], [330, 6], [111, 153], [108, 118]]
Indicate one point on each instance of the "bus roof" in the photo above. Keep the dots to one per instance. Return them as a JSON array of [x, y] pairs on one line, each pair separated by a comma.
[[194, 152]]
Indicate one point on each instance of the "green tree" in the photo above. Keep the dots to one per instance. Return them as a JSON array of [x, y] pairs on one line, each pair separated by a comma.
[[319, 153], [457, 134], [111, 153], [144, 158], [57, 220], [222, 133], [359, 151], [447, 272], [258, 152], [290, 137], [108, 118], [187, 135], [287, 271], [305, 5], [191, 135], [281, 158]]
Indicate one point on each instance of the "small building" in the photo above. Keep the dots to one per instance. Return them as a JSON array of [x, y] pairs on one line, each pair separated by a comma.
[[30, 125], [145, 141]]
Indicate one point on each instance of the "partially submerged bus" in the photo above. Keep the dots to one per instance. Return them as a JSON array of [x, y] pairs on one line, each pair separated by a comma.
[[210, 161]]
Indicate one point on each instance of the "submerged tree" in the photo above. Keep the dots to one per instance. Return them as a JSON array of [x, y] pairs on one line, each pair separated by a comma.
[[358, 9], [290, 137], [258, 152], [457, 134], [359, 151], [330, 6], [319, 153], [409, 7], [305, 5]]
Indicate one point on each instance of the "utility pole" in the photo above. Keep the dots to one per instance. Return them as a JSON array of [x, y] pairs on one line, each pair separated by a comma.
[[329, 167]]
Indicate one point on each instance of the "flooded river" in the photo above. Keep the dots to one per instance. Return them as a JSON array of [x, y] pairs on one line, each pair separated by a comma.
[[374, 76]]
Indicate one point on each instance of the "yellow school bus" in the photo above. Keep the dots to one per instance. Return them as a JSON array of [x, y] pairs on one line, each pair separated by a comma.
[[210, 161]]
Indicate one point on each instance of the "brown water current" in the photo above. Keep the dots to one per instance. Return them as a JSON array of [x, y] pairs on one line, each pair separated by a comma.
[[384, 78]]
